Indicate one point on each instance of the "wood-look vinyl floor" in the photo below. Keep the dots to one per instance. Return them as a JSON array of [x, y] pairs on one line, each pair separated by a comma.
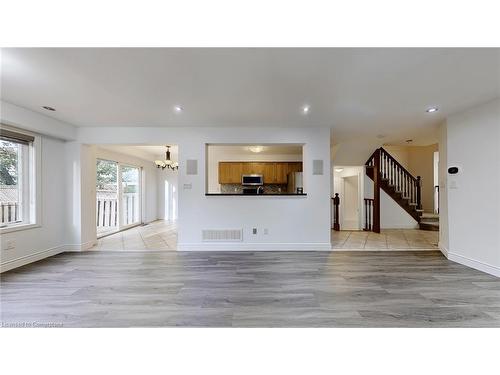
[[249, 289]]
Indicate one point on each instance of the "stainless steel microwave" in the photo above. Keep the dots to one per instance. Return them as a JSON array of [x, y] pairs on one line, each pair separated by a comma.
[[252, 179]]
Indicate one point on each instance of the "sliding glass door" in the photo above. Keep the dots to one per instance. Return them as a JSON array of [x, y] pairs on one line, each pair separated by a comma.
[[118, 196], [130, 197], [106, 197]]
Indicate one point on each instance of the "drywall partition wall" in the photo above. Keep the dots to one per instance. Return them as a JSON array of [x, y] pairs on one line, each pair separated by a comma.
[[48, 239], [443, 189], [168, 194], [473, 145], [292, 222], [37, 243]]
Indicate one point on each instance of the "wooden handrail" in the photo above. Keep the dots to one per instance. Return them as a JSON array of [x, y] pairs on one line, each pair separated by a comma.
[[397, 163]]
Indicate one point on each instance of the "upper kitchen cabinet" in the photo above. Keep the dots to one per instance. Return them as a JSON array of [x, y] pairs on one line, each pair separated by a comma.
[[230, 172], [273, 172]]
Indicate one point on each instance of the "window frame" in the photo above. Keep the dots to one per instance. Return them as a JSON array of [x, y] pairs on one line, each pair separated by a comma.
[[32, 190]]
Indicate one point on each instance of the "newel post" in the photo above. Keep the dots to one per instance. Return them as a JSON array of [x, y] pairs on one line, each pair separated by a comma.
[[419, 193], [336, 220], [376, 192]]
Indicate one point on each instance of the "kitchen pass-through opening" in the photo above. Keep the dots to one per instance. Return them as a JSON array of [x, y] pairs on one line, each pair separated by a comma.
[[255, 169]]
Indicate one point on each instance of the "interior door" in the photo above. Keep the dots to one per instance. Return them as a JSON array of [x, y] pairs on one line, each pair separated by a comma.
[[130, 194]]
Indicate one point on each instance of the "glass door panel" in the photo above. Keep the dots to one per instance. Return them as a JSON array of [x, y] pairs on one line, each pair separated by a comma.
[[106, 197], [130, 195]]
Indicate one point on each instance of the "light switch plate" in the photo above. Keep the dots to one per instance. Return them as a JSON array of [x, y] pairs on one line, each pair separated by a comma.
[[187, 186]]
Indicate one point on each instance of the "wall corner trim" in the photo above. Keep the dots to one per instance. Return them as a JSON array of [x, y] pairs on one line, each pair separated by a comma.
[[443, 249]]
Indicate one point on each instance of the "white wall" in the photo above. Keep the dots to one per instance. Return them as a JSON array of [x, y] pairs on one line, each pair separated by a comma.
[[293, 222], [443, 189], [473, 143], [168, 208], [48, 239]]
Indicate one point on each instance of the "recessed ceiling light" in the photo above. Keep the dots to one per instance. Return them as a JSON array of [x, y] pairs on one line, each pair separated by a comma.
[[48, 108], [339, 169], [306, 109], [432, 109], [178, 109]]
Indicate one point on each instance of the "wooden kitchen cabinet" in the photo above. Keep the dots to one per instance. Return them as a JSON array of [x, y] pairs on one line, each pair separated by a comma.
[[230, 172], [274, 172], [281, 173], [269, 172]]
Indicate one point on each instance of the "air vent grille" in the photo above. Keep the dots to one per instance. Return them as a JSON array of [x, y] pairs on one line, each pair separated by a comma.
[[222, 235]]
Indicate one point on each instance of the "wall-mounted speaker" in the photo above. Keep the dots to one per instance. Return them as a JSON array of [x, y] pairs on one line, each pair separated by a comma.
[[318, 167], [192, 167]]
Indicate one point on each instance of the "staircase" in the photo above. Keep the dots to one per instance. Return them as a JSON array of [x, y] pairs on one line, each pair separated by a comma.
[[405, 189]]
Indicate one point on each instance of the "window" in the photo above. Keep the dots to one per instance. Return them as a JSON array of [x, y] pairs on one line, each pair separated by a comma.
[[17, 179]]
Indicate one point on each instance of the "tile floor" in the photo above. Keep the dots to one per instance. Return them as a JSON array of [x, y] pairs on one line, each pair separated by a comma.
[[388, 239], [158, 235]]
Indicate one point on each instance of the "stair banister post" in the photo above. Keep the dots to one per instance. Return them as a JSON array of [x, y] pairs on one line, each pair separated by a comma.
[[419, 193], [336, 219], [376, 192]]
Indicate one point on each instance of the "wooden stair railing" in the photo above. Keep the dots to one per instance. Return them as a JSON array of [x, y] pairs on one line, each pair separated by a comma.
[[389, 175], [368, 214]]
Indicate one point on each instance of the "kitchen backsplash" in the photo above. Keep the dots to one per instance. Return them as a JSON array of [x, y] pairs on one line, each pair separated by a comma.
[[237, 188]]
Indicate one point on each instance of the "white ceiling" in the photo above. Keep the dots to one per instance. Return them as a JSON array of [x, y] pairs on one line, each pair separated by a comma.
[[357, 92]]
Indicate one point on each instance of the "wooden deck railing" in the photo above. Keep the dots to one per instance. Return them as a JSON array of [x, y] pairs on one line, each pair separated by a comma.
[[9, 212], [107, 211]]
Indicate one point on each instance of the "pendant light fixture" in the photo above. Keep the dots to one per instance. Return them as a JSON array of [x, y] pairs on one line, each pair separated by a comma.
[[167, 163]]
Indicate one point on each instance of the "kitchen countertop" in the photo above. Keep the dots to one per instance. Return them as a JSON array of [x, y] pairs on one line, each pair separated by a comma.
[[257, 195]]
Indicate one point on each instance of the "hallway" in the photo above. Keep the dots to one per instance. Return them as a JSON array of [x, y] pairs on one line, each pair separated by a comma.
[[158, 235]]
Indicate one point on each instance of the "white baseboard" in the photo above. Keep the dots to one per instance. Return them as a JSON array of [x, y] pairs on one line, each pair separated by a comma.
[[21, 261], [443, 249], [79, 247], [238, 246], [476, 264]]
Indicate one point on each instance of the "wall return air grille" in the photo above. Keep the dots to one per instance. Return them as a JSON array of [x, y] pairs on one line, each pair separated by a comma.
[[222, 235]]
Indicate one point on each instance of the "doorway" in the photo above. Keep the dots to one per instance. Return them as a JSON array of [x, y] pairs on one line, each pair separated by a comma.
[[118, 196], [350, 211]]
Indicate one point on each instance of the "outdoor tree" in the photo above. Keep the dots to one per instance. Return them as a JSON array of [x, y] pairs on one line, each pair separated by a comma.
[[106, 173], [8, 163]]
